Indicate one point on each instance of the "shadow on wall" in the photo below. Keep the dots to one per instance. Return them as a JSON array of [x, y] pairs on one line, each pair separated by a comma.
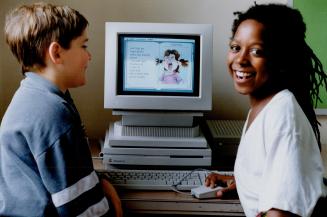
[[323, 134]]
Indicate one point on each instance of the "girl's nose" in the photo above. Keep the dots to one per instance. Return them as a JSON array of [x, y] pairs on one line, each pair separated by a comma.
[[242, 57]]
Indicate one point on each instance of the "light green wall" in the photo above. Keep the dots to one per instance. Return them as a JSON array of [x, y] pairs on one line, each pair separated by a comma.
[[314, 13]]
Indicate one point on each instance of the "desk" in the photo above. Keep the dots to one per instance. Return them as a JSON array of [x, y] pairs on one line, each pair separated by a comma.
[[159, 203]]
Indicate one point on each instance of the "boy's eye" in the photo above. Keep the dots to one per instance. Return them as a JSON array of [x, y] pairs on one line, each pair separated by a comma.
[[84, 46]]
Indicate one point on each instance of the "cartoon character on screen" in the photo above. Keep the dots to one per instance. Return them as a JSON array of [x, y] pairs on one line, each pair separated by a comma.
[[171, 64]]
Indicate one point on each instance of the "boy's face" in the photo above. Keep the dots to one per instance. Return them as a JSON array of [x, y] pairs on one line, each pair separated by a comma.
[[246, 60], [76, 60]]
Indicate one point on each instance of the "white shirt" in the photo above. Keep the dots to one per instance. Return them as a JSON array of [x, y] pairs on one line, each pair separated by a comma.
[[278, 162]]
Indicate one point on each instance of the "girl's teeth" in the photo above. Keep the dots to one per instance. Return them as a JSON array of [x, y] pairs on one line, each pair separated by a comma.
[[242, 75]]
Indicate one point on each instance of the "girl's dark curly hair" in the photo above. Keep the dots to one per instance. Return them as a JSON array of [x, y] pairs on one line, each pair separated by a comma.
[[294, 65]]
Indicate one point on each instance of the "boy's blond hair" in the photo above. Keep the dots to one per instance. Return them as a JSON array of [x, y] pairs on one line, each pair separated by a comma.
[[30, 29]]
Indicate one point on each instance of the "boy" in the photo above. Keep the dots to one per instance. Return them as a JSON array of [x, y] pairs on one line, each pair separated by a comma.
[[45, 163]]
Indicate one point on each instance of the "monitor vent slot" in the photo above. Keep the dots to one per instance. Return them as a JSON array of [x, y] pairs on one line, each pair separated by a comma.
[[158, 131], [226, 128]]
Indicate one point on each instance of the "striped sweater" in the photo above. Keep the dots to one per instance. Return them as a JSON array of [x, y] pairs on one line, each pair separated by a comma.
[[45, 162]]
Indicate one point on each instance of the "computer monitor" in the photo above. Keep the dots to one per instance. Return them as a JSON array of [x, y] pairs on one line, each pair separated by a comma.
[[158, 67]]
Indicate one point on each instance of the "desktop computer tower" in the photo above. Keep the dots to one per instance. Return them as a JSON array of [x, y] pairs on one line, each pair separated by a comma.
[[223, 137], [213, 143], [140, 146]]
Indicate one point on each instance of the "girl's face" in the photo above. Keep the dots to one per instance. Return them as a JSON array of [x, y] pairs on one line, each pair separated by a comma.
[[246, 59], [170, 63]]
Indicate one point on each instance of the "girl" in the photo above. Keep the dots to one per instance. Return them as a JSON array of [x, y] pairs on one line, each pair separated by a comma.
[[278, 169]]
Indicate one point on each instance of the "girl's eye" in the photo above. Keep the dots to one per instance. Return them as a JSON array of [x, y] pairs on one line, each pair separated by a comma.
[[257, 52], [84, 46], [234, 48]]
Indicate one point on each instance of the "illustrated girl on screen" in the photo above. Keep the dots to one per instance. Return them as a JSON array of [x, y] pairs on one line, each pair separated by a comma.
[[171, 64]]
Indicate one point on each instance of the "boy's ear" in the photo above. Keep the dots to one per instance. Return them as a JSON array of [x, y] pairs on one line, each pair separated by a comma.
[[55, 51]]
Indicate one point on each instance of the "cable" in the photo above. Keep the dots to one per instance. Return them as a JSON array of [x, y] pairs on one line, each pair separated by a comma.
[[174, 186]]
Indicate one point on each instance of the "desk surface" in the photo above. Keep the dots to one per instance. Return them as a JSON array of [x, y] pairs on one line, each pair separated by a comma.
[[169, 202]]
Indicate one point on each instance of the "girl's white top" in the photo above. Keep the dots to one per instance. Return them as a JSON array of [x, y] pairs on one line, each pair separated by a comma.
[[278, 162]]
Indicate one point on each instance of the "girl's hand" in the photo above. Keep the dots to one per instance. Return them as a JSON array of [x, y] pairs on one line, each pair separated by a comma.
[[227, 182]]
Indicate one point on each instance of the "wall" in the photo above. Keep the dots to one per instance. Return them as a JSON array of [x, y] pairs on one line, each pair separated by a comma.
[[323, 132], [9, 69], [89, 99], [314, 13], [2, 105]]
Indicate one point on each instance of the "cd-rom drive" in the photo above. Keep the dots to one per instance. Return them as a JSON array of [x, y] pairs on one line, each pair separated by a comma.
[[157, 160], [156, 151]]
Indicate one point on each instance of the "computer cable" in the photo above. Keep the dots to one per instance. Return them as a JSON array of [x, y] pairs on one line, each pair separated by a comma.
[[174, 186]]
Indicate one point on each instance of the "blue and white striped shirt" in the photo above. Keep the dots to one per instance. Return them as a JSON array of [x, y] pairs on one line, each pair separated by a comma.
[[45, 162]]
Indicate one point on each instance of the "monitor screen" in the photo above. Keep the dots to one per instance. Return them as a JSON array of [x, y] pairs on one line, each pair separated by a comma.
[[158, 64]]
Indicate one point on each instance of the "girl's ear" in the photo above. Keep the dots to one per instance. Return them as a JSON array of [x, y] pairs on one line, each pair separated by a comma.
[[55, 51]]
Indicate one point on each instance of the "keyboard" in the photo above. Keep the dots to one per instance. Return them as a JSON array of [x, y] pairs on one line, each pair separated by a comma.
[[182, 180]]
